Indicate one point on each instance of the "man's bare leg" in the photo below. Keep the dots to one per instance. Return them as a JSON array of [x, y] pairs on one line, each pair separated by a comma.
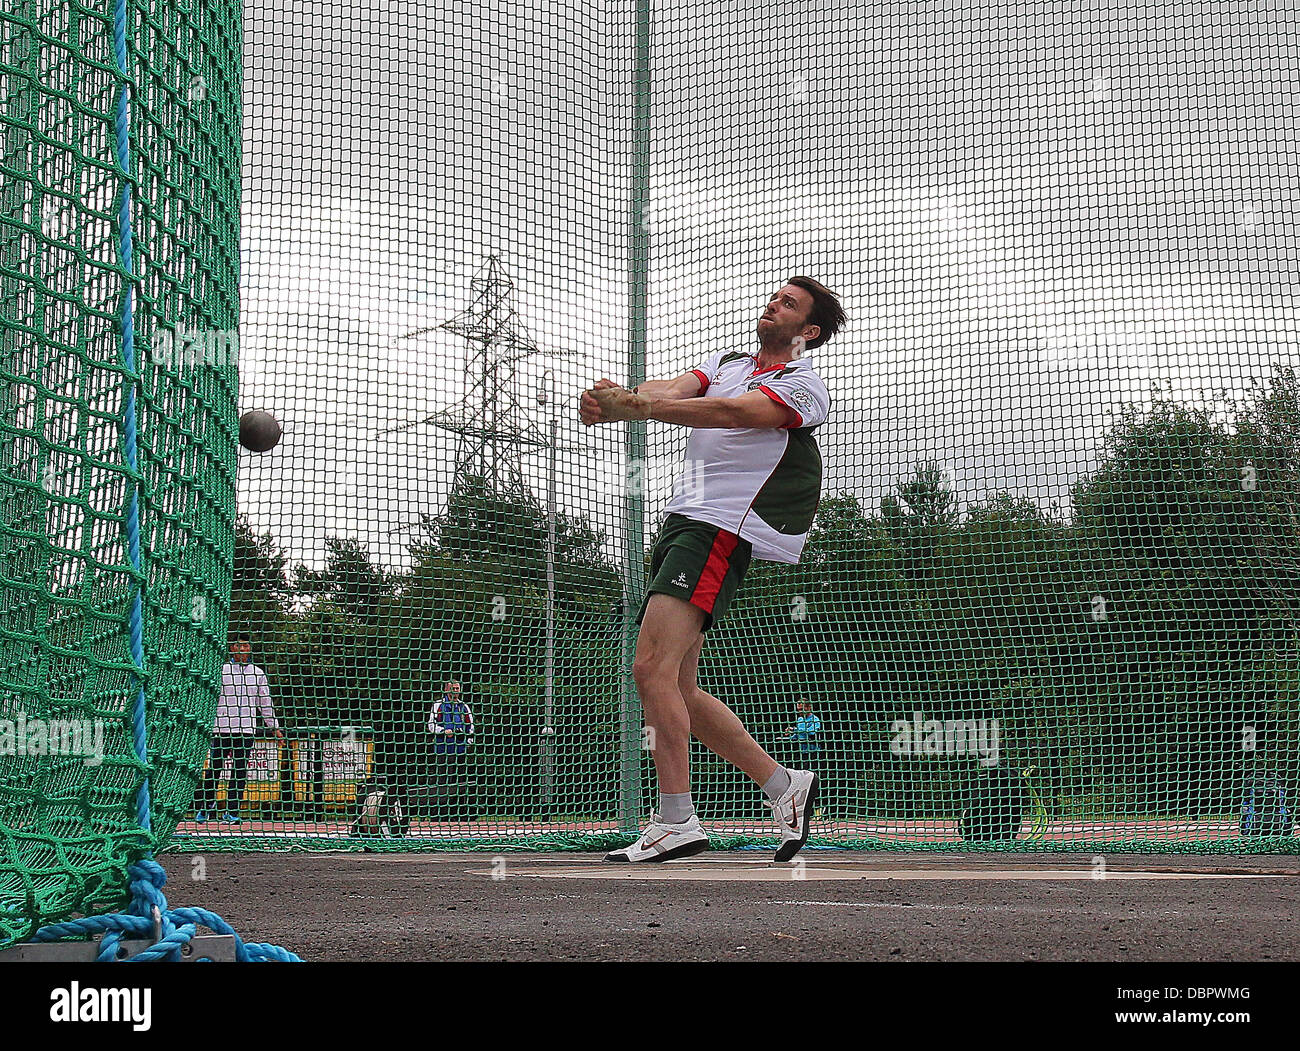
[[667, 657], [792, 794], [669, 631], [717, 727]]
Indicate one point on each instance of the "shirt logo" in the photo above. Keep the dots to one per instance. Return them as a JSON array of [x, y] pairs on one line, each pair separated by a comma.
[[680, 582]]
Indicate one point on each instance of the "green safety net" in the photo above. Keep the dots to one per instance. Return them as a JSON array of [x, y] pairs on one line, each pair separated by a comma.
[[1050, 598], [70, 775]]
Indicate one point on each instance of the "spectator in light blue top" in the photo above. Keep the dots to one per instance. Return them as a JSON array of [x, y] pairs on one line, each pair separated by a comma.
[[806, 729]]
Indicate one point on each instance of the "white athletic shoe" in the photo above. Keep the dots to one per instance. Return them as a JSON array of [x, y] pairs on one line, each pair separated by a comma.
[[793, 813], [664, 842]]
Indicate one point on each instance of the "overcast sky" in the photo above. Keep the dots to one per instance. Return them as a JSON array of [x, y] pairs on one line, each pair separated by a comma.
[[1032, 212]]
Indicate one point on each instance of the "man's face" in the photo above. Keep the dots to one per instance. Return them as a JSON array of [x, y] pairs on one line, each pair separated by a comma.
[[803, 709], [241, 652], [453, 690], [786, 317]]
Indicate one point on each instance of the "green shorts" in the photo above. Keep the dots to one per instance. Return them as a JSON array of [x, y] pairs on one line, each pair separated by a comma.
[[698, 563]]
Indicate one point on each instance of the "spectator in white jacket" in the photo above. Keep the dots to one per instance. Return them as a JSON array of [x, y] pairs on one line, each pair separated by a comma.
[[245, 698]]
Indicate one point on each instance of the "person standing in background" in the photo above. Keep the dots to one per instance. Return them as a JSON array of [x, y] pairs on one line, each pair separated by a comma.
[[245, 698], [452, 724], [807, 731]]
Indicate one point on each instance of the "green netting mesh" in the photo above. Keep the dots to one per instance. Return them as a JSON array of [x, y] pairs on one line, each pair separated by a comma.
[[1051, 594], [1058, 533], [69, 775]]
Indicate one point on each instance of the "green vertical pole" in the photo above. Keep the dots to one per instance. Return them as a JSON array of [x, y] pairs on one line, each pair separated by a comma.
[[635, 433]]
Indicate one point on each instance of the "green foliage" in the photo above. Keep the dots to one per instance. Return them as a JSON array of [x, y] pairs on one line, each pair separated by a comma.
[[351, 581], [261, 589]]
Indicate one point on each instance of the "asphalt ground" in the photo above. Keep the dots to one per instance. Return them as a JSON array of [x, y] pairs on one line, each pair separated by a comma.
[[738, 905]]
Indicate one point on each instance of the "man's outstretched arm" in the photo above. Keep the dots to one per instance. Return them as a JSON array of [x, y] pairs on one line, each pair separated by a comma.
[[688, 385], [754, 409]]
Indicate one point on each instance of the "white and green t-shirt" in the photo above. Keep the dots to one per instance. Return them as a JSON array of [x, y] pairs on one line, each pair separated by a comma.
[[761, 483]]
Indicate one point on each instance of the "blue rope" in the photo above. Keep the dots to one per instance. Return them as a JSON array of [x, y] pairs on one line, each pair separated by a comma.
[[177, 926], [123, 148]]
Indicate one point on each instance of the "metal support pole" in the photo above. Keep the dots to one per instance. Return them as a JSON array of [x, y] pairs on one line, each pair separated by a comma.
[[630, 754], [548, 716]]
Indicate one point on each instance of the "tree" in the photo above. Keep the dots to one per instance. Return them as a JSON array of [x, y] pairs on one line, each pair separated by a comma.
[[260, 591], [1265, 457], [351, 580], [473, 608], [1182, 562], [924, 508]]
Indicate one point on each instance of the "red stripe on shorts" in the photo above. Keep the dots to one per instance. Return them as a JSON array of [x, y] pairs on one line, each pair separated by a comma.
[[715, 569]]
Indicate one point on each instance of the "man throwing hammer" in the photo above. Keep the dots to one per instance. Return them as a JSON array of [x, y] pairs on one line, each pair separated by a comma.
[[749, 488]]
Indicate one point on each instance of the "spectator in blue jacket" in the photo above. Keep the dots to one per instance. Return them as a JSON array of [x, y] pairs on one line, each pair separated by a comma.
[[451, 722], [452, 725]]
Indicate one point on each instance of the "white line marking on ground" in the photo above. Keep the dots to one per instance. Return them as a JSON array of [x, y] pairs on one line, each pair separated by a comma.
[[769, 872]]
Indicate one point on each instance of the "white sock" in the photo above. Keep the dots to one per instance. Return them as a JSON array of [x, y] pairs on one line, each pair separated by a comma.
[[675, 809], [777, 785]]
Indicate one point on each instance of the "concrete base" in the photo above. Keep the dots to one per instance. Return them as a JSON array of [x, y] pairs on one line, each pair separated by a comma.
[[219, 948]]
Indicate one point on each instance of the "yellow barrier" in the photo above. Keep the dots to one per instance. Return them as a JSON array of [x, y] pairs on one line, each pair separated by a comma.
[[344, 765]]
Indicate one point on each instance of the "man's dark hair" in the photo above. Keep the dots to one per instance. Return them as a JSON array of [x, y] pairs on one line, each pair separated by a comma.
[[241, 636], [826, 313]]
